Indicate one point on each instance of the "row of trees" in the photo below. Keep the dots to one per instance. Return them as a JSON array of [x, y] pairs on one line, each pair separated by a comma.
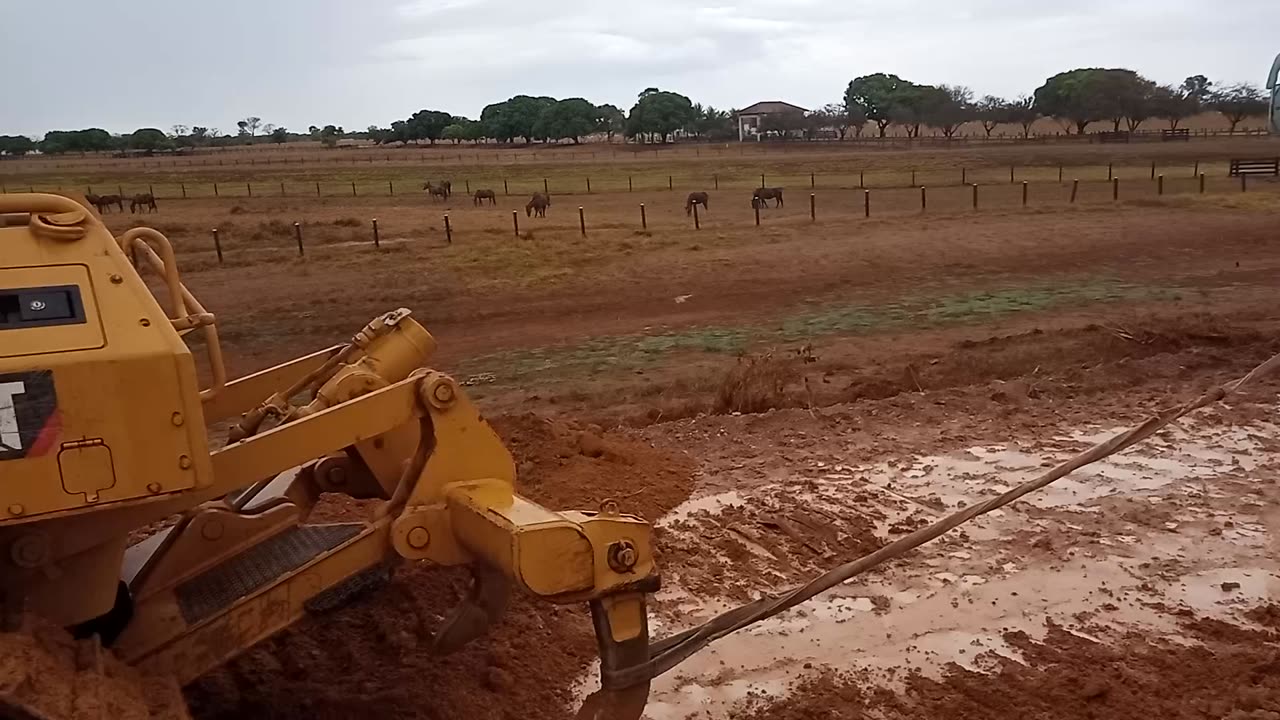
[[1076, 99]]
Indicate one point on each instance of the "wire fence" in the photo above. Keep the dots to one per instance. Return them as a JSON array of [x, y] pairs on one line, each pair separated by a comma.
[[508, 184]]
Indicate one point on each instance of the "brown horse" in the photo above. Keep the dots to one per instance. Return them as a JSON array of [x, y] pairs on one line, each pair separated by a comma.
[[695, 198], [104, 202], [144, 201], [436, 191], [761, 195], [537, 204], [482, 195]]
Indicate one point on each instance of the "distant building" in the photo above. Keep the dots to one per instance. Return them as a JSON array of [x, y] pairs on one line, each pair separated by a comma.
[[753, 121]]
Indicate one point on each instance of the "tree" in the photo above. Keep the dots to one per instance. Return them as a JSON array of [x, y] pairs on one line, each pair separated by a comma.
[[329, 136], [877, 95], [89, 140], [462, 129], [1024, 112], [947, 107], [659, 113], [18, 145], [147, 139], [785, 123], [609, 120], [1237, 102], [832, 115], [710, 123], [1173, 104], [427, 125], [571, 119], [1197, 88], [991, 111], [279, 135], [1073, 97], [249, 126], [506, 121]]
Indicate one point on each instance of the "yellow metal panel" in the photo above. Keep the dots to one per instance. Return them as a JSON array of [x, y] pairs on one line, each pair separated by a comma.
[[53, 338], [86, 468]]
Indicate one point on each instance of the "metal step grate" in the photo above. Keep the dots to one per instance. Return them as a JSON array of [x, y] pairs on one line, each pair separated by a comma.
[[220, 586]]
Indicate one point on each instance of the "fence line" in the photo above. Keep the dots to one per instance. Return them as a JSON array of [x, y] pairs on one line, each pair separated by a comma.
[[652, 181], [892, 202]]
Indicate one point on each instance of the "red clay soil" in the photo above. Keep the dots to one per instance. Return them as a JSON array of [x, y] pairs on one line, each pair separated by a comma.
[[372, 659], [1232, 673]]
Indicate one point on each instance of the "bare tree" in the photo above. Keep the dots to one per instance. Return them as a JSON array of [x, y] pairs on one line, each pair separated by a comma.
[[250, 125]]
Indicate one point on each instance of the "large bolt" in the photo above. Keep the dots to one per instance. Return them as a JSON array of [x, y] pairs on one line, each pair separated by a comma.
[[623, 556], [30, 551], [16, 509], [419, 538], [443, 393], [184, 462]]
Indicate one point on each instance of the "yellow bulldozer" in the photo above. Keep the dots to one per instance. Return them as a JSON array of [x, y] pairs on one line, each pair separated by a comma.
[[154, 527]]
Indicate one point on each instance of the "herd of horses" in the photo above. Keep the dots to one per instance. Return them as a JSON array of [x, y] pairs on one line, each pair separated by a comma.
[[104, 203], [538, 204]]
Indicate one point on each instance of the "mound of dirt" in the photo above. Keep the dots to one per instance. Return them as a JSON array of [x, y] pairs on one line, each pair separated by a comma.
[[1227, 675], [44, 673], [372, 658]]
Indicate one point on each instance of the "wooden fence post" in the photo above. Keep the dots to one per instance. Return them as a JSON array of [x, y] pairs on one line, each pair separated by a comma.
[[545, 188], [1115, 188], [588, 186], [582, 221], [761, 179], [862, 178], [468, 185], [964, 176], [924, 199], [215, 189], [217, 245], [1010, 174], [644, 222], [353, 188], [716, 177], [1153, 169], [1111, 175], [670, 185], [391, 188], [1197, 170], [1025, 185], [697, 223], [756, 206], [812, 181], [282, 193], [184, 191], [1201, 183], [249, 188], [297, 232], [448, 230], [1075, 188], [866, 203], [505, 190], [150, 190], [1059, 174], [1160, 185], [813, 207], [317, 189], [515, 221], [975, 196], [630, 186]]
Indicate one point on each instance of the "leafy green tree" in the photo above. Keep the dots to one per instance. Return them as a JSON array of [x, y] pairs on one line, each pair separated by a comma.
[[329, 136], [18, 145], [147, 139], [1087, 95], [1237, 102], [992, 111], [428, 125], [947, 107], [280, 135], [90, 140], [571, 118], [1197, 88], [659, 113], [1173, 104], [610, 120], [462, 129], [506, 121], [877, 95]]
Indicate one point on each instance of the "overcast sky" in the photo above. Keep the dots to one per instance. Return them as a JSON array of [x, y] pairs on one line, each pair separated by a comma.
[[126, 64]]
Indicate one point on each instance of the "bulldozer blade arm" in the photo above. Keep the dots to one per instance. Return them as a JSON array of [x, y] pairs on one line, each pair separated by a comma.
[[484, 604]]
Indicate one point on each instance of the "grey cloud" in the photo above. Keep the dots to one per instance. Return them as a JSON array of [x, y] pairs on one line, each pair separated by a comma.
[[302, 62]]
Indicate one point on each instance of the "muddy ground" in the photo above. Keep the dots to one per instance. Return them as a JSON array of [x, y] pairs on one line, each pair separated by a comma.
[[782, 399]]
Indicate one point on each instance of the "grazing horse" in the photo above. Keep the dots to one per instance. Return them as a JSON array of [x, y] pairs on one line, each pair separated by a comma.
[[537, 204], [436, 191], [695, 198], [482, 195], [145, 201], [761, 195], [104, 202]]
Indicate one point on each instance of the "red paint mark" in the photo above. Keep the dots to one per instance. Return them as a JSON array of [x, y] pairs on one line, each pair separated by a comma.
[[48, 437]]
